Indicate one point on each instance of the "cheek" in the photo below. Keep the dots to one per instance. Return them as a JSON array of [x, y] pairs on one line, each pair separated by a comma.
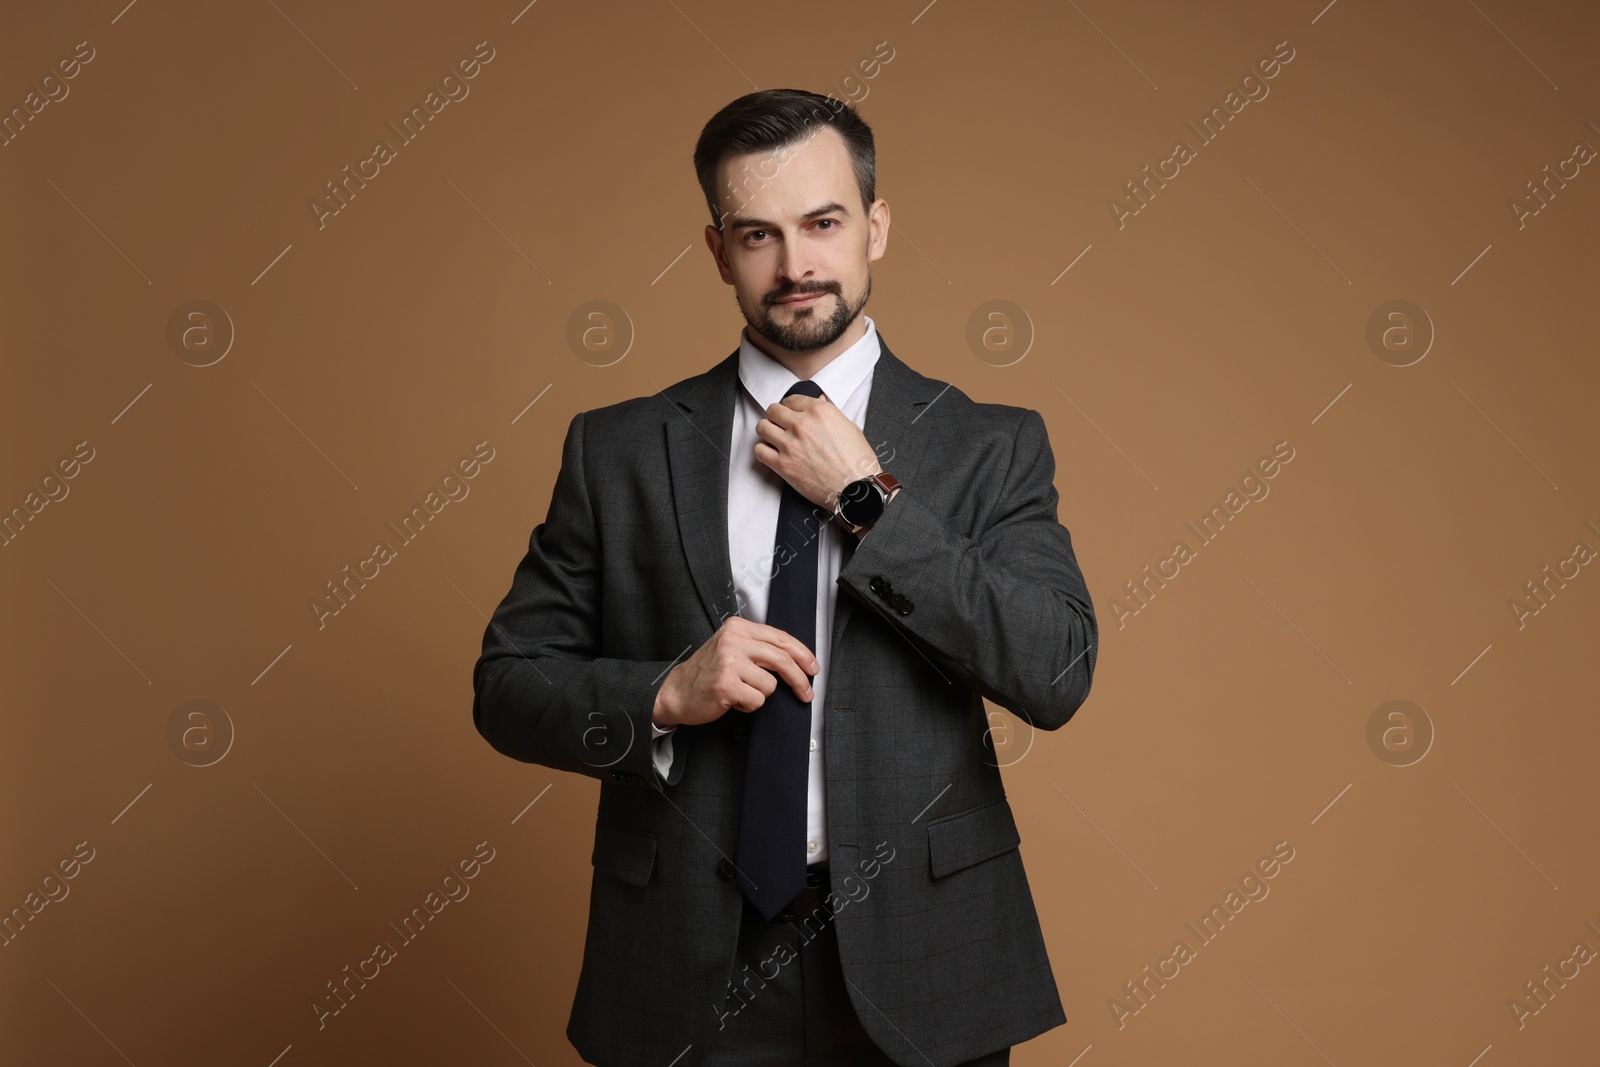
[[751, 299], [751, 281], [853, 282]]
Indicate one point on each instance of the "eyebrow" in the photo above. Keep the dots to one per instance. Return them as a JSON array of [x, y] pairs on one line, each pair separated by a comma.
[[740, 222]]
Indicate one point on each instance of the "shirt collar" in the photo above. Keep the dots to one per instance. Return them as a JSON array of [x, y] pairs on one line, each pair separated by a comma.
[[766, 380]]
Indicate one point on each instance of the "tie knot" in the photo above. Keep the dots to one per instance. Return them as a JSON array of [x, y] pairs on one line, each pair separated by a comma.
[[806, 387]]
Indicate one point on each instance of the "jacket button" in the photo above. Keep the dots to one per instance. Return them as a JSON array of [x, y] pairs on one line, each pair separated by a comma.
[[879, 585], [904, 607], [725, 868]]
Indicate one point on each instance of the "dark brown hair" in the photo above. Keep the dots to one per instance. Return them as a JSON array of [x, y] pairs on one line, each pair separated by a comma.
[[774, 118]]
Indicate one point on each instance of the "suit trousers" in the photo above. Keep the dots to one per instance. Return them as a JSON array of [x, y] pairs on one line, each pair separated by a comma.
[[789, 1004]]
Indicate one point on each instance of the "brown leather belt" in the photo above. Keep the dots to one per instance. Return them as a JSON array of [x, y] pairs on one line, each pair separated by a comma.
[[810, 899]]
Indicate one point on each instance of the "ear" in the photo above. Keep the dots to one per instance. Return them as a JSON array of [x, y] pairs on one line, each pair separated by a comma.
[[878, 219], [714, 241]]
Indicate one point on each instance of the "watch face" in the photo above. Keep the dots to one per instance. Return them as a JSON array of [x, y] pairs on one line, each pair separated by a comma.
[[861, 502]]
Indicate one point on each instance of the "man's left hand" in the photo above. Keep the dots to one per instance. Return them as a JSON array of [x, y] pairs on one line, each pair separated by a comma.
[[814, 447]]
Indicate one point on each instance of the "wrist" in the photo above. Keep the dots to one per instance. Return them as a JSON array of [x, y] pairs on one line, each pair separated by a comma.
[[661, 714]]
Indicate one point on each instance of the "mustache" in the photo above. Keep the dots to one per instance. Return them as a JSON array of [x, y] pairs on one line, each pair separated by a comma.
[[828, 287]]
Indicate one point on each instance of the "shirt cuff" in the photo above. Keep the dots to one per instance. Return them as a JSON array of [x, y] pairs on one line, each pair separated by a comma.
[[661, 750]]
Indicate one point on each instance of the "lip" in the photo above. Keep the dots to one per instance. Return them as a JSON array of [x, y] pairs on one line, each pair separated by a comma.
[[792, 301]]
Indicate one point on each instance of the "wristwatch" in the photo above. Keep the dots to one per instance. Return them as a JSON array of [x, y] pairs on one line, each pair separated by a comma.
[[861, 503]]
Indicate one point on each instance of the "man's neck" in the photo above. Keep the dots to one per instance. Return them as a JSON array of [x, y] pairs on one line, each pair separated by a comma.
[[805, 365]]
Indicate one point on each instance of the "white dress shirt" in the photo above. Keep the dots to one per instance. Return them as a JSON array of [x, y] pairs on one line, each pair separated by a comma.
[[754, 493]]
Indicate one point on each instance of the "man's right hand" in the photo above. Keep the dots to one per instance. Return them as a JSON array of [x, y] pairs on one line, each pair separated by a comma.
[[739, 666]]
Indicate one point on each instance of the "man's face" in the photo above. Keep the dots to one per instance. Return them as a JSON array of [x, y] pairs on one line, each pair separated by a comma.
[[795, 242]]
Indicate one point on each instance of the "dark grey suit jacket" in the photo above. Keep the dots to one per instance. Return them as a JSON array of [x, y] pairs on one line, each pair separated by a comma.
[[630, 573]]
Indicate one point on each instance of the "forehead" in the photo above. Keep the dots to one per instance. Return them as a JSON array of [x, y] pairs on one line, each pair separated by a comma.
[[789, 180]]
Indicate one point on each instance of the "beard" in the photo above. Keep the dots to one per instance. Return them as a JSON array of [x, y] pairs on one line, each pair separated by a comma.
[[811, 327]]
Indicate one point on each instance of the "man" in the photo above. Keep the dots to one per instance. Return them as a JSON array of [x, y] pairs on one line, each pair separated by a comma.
[[764, 610]]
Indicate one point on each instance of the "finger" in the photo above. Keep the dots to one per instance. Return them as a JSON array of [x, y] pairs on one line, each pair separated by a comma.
[[768, 431], [801, 656], [784, 413], [784, 666], [747, 699], [775, 664], [784, 653], [755, 676]]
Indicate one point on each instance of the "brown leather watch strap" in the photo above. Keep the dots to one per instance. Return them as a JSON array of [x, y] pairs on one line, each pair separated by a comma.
[[886, 481]]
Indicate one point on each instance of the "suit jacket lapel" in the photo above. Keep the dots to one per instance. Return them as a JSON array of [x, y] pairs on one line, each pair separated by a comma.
[[699, 430]]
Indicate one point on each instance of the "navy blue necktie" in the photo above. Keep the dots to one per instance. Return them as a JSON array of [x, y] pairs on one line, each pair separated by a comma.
[[772, 819]]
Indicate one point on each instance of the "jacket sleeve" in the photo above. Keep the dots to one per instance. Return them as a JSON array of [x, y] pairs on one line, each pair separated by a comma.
[[541, 692], [1008, 613]]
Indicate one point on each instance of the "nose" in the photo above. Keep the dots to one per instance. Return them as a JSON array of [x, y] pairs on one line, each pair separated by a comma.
[[793, 268]]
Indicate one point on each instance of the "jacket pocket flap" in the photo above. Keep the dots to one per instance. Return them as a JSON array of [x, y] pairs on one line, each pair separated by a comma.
[[623, 852], [960, 840]]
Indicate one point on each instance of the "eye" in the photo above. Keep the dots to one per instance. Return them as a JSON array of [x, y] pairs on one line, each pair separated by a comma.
[[831, 222], [752, 234]]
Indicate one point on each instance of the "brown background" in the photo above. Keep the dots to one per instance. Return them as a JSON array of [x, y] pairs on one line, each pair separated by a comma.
[[370, 355]]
